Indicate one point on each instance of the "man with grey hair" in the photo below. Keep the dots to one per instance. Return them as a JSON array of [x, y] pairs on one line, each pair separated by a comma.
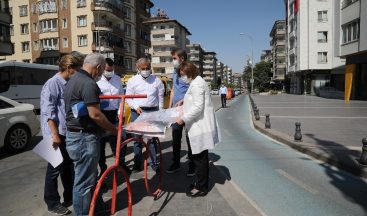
[[144, 83], [84, 122]]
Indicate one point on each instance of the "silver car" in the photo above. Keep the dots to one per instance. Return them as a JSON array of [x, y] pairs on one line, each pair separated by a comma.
[[18, 124]]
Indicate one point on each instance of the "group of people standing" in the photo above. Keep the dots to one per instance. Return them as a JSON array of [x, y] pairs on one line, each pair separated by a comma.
[[82, 139]]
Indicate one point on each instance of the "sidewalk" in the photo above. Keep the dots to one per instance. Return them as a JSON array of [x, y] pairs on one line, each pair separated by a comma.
[[332, 130]]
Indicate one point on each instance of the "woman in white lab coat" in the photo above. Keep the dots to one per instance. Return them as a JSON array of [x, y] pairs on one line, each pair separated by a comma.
[[201, 125]]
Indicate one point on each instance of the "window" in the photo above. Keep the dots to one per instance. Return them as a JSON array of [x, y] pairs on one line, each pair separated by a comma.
[[25, 47], [35, 27], [82, 40], [128, 46], [127, 30], [350, 31], [81, 3], [5, 105], [48, 25], [64, 23], [322, 37], [128, 63], [24, 29], [46, 6], [346, 3], [65, 42], [82, 21], [23, 10], [322, 16], [64, 4], [50, 44], [291, 43], [11, 30], [26, 60], [127, 13], [322, 57], [35, 45], [292, 60]]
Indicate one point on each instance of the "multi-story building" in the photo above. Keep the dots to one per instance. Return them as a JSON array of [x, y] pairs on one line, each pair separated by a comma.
[[229, 75], [225, 74], [196, 56], [311, 63], [220, 71], [43, 30], [6, 47], [237, 80], [142, 30], [277, 42], [266, 56], [210, 64], [166, 34], [351, 26]]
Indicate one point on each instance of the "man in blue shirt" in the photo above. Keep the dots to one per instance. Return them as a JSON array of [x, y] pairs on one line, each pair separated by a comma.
[[176, 99], [53, 126]]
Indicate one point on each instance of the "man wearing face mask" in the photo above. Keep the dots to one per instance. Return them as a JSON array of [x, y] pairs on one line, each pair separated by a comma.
[[110, 84], [180, 87], [144, 83]]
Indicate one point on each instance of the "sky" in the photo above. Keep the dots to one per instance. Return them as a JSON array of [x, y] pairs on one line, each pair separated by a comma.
[[217, 24]]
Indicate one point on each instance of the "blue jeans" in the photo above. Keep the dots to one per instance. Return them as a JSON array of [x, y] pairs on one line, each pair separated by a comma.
[[138, 155], [84, 150]]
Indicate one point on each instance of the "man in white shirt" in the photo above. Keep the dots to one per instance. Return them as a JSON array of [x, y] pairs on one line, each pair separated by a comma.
[[223, 95], [144, 83], [110, 84]]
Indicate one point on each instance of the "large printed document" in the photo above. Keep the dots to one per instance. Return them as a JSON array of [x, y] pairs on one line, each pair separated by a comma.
[[154, 124], [46, 150]]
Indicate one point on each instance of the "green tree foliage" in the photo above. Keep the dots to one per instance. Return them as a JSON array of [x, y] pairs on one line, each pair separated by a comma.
[[262, 75]]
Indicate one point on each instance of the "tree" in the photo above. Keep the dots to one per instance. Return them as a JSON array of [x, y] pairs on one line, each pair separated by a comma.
[[262, 75]]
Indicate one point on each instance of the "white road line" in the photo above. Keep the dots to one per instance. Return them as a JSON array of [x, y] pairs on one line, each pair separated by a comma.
[[320, 117], [305, 107], [296, 181]]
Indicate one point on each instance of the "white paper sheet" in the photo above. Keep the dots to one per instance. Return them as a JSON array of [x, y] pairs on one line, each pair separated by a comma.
[[45, 150]]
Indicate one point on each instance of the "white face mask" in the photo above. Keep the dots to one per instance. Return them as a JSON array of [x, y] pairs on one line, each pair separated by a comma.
[[176, 63], [145, 73], [108, 74], [185, 79]]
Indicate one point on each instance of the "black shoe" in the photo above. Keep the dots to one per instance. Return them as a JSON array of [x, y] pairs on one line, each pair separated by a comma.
[[191, 172], [59, 210], [67, 203], [196, 193], [172, 169]]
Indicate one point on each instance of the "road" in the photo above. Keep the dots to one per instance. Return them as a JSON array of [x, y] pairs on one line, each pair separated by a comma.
[[279, 180]]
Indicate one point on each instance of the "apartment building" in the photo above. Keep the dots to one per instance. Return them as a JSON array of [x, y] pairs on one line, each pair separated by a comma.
[[277, 44], [238, 81], [351, 26], [312, 65], [266, 56], [143, 11], [227, 73], [220, 70], [166, 34], [209, 67], [43, 30], [6, 47], [195, 54]]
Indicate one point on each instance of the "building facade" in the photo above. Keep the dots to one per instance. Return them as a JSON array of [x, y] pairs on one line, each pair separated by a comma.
[[277, 43], [6, 47], [238, 81], [196, 55], [266, 56], [351, 25], [312, 65], [166, 35], [209, 67], [220, 71], [44, 30]]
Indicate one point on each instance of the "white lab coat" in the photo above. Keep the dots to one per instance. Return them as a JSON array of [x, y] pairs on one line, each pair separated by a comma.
[[199, 117]]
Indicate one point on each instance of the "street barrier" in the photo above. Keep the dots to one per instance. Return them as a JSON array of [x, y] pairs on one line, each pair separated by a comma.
[[115, 168]]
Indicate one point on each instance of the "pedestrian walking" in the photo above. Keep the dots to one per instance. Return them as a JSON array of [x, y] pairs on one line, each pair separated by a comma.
[[177, 98], [144, 83], [223, 95], [84, 126], [110, 84], [53, 127], [200, 121]]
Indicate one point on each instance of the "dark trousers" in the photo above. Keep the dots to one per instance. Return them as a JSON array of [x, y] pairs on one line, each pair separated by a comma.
[[111, 115], [66, 172], [223, 98], [176, 145], [201, 162]]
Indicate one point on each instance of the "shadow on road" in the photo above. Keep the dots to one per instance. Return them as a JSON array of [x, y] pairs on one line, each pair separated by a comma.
[[4, 152]]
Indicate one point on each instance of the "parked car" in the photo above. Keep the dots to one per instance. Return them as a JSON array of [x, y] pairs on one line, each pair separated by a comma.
[[18, 124], [214, 92]]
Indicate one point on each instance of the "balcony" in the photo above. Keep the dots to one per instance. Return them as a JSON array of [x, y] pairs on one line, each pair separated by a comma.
[[292, 34], [108, 7], [194, 59], [6, 47], [194, 51], [105, 26], [280, 54], [162, 53], [346, 3], [5, 16], [163, 42], [280, 43], [170, 31], [292, 51]]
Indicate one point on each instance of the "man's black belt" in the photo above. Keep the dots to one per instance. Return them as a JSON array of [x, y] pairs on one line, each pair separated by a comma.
[[74, 130]]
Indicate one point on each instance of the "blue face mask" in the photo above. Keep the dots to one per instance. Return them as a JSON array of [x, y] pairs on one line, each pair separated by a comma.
[[185, 79]]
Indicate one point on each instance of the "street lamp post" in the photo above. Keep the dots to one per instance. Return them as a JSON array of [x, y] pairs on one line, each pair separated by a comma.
[[252, 60]]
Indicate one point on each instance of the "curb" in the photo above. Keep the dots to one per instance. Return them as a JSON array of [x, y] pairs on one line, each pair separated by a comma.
[[353, 168]]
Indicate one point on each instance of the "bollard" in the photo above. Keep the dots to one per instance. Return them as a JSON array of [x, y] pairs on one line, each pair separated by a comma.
[[298, 134], [257, 115], [363, 159], [267, 121]]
